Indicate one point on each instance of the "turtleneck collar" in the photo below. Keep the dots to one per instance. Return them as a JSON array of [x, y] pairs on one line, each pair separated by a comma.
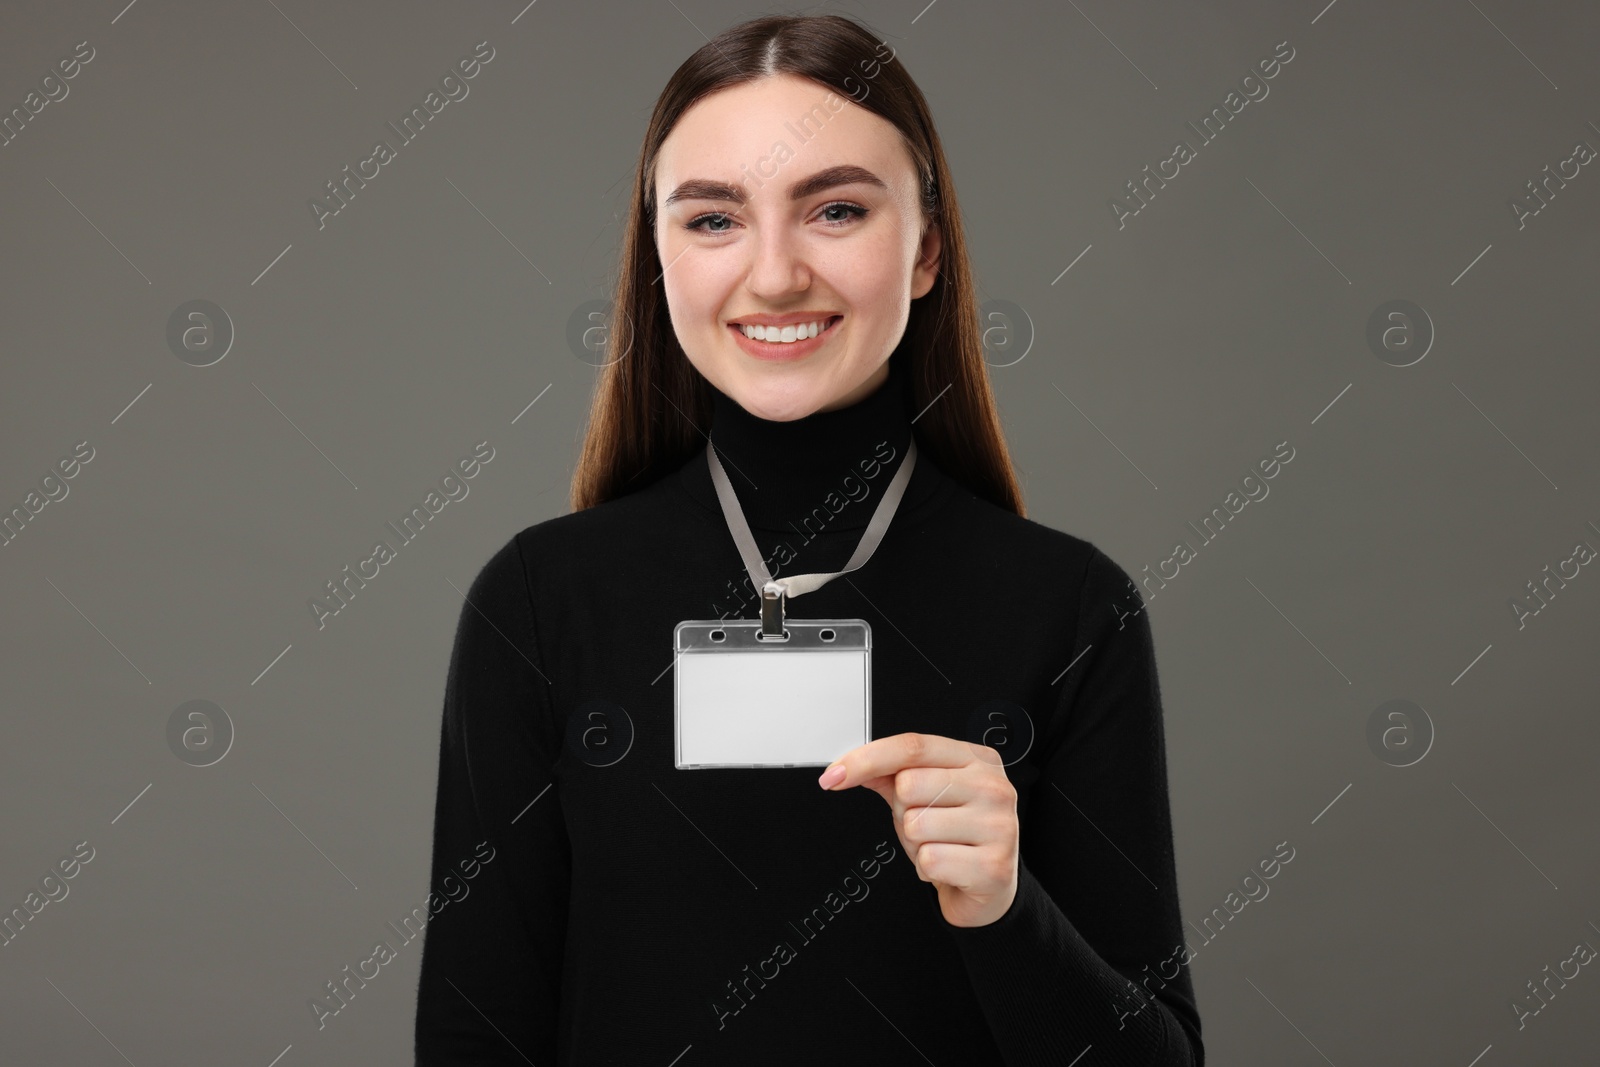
[[830, 467]]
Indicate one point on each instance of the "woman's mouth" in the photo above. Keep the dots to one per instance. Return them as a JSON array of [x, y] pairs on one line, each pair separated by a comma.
[[784, 342]]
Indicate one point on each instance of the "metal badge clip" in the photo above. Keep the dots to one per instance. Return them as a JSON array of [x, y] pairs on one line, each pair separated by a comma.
[[772, 598]]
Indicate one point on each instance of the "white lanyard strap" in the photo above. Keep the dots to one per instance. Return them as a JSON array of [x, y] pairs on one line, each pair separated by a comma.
[[773, 591]]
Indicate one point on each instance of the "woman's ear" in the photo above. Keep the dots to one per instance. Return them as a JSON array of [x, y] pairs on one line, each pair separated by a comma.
[[926, 269]]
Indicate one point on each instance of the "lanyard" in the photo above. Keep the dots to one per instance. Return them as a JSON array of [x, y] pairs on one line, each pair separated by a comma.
[[773, 591]]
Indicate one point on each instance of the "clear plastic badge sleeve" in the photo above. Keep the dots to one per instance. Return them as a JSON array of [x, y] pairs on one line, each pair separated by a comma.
[[742, 701]]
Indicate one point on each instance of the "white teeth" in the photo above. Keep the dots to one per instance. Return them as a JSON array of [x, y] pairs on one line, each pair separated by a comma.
[[782, 334]]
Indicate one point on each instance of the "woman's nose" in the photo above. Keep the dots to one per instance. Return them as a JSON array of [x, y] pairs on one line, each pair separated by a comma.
[[777, 266]]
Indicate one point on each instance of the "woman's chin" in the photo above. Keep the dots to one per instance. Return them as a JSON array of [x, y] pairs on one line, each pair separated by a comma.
[[778, 394]]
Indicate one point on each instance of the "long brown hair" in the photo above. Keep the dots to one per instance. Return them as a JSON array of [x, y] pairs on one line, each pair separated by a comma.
[[651, 408]]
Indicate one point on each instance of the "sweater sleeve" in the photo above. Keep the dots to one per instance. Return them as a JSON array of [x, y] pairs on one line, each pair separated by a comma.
[[490, 984], [1091, 953]]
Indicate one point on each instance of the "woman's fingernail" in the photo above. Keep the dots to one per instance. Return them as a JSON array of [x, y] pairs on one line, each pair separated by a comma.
[[832, 776]]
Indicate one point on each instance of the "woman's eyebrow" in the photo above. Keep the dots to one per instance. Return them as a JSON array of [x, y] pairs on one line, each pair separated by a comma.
[[844, 174]]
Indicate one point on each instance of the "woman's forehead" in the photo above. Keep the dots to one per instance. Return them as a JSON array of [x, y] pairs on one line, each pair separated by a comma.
[[776, 131]]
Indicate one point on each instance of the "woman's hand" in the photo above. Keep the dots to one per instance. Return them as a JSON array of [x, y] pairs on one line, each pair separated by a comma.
[[955, 812]]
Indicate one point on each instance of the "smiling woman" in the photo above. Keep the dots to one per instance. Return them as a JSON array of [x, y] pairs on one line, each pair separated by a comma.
[[785, 323], [849, 241]]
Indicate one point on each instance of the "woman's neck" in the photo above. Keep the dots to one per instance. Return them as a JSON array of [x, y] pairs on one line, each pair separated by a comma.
[[838, 461]]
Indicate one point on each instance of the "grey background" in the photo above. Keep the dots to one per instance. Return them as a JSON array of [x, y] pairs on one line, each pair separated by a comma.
[[1176, 352]]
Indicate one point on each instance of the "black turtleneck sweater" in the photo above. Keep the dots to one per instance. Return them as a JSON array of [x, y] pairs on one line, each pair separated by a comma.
[[592, 904]]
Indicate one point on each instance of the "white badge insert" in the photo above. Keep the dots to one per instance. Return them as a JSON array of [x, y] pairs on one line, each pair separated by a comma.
[[796, 702], [776, 692]]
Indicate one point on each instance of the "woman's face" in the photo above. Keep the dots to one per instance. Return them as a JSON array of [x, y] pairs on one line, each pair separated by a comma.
[[745, 233]]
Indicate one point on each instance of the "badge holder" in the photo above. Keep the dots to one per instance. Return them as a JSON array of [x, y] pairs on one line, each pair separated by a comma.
[[776, 692]]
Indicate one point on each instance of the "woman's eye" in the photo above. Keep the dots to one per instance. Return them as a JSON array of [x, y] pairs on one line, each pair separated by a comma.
[[852, 212], [699, 222]]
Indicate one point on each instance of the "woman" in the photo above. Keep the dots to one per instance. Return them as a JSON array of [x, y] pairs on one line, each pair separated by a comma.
[[1009, 894]]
